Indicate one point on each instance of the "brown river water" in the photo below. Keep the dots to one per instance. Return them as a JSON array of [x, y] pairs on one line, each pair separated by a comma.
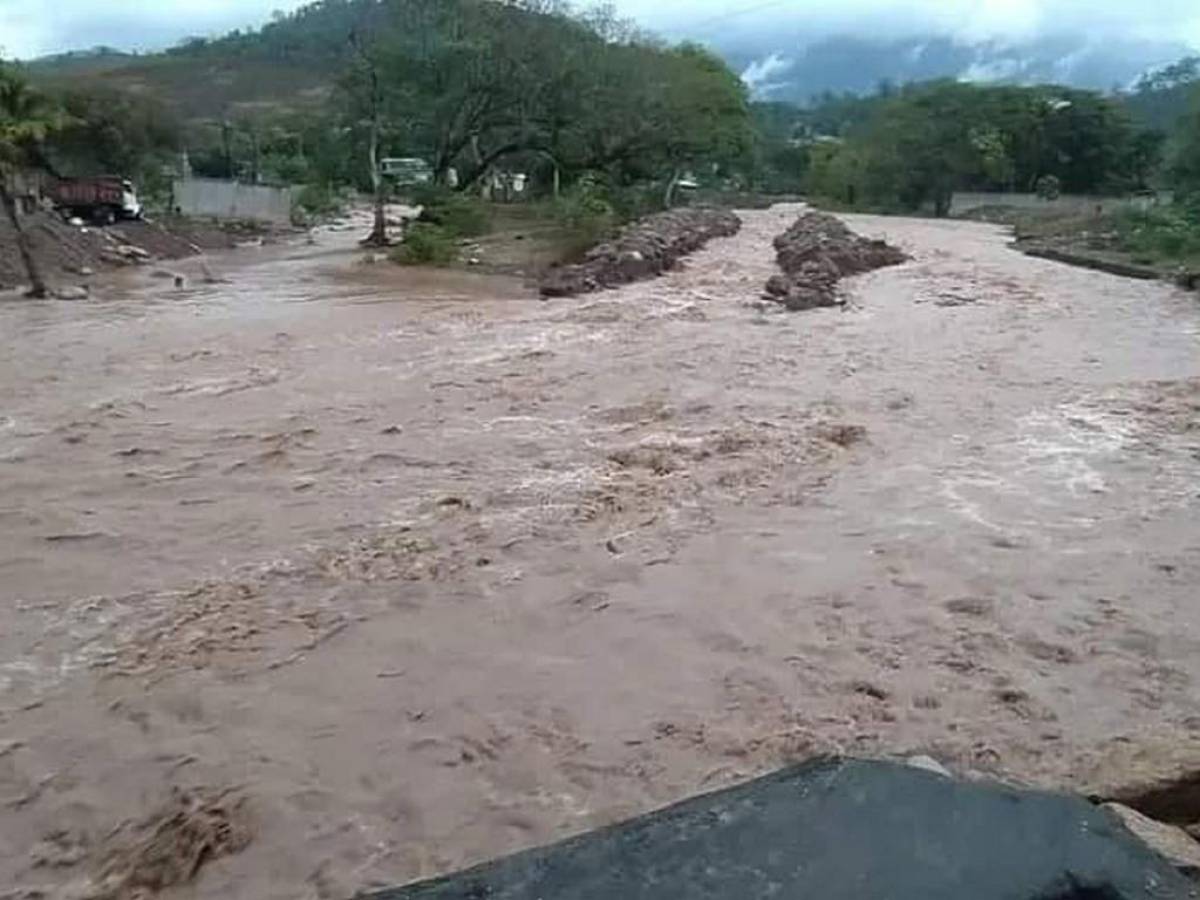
[[430, 570]]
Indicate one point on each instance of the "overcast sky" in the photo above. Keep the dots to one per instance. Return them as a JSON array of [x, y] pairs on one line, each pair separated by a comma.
[[35, 27]]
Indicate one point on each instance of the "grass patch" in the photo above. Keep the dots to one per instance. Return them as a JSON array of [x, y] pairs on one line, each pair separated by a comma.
[[586, 215], [426, 245], [460, 214], [314, 202], [1165, 236]]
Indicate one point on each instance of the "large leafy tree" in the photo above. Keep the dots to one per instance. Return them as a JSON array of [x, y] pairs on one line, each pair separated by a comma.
[[1185, 163], [26, 118], [110, 130], [927, 141], [469, 84]]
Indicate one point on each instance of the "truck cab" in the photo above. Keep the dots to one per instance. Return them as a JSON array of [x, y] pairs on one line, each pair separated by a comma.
[[131, 207]]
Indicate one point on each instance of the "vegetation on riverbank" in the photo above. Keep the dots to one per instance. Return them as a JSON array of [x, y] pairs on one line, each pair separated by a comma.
[[604, 122]]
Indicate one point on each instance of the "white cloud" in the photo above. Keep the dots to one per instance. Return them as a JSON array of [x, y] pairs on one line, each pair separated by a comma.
[[759, 74], [1175, 20], [34, 27], [31, 27], [20, 35], [991, 70]]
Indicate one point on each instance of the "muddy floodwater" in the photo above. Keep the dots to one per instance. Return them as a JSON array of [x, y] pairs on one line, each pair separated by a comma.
[[428, 570]]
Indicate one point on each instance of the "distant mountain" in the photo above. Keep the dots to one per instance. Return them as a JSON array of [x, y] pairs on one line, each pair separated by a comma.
[[291, 63], [82, 62], [1163, 97], [797, 73]]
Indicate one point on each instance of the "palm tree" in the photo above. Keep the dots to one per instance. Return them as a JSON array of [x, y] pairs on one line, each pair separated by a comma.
[[25, 119]]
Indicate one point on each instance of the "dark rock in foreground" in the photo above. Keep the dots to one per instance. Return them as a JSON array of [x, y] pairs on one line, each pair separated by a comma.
[[645, 249], [815, 254], [839, 829]]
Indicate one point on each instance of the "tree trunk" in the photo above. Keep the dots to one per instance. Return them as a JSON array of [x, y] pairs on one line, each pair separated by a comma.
[[943, 201], [378, 236], [37, 285], [256, 175], [671, 185], [227, 148], [469, 180]]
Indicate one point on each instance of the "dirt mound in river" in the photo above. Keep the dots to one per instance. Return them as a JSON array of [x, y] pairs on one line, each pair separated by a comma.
[[643, 250], [816, 253]]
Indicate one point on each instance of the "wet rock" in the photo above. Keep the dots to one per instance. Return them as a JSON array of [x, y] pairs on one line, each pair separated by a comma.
[[71, 293], [130, 251], [838, 828], [1169, 841], [929, 764], [969, 606], [815, 254], [1156, 776], [643, 250]]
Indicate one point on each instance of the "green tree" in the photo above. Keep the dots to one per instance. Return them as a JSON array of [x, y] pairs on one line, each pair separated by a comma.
[[470, 84], [1185, 162], [372, 89], [26, 118], [1161, 99], [921, 145], [706, 117], [111, 130]]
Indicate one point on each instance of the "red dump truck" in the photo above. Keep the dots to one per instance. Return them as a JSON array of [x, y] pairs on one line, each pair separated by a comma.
[[103, 199]]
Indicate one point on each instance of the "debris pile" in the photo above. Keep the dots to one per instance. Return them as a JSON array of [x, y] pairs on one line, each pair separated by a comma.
[[645, 249], [167, 849], [57, 246], [62, 248], [815, 254]]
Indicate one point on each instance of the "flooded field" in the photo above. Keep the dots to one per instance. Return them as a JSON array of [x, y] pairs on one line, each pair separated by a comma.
[[424, 570]]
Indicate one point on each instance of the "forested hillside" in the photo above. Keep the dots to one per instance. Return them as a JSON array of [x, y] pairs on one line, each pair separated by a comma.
[[466, 84], [1162, 98]]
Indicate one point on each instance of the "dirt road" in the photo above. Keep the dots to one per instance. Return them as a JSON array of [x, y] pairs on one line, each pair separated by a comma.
[[433, 570]]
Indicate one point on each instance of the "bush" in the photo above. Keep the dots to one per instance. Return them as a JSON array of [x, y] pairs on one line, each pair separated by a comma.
[[315, 201], [426, 245], [460, 214], [1048, 187], [1188, 206], [634, 201], [585, 216], [1160, 235]]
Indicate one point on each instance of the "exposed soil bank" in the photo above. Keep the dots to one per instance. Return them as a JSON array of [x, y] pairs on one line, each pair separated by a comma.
[[1090, 259], [646, 249], [1113, 267], [815, 253], [1087, 241], [69, 255]]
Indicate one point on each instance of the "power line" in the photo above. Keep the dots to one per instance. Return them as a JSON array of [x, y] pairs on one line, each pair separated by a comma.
[[725, 17]]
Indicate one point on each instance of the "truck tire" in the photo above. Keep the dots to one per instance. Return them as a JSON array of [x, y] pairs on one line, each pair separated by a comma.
[[105, 215]]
